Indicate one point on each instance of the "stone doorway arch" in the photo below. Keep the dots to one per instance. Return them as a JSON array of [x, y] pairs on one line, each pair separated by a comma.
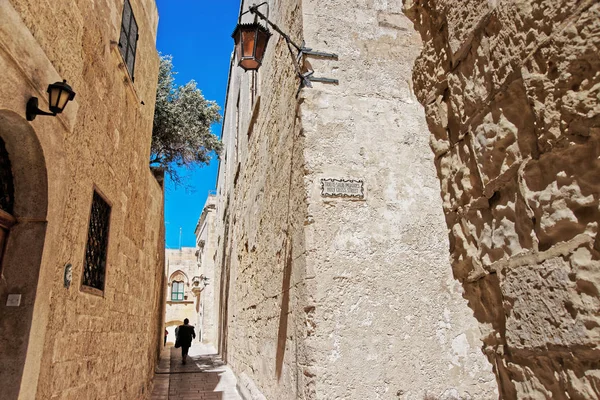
[[24, 243]]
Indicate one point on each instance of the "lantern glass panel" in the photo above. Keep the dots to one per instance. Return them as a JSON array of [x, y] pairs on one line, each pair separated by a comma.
[[261, 44], [248, 40], [63, 99], [54, 97], [238, 45]]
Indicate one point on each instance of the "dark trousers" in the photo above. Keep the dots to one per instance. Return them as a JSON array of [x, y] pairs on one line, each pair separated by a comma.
[[184, 350]]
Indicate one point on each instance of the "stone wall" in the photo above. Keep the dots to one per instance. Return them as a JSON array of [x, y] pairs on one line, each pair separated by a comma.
[[511, 95], [261, 214], [206, 241], [64, 343], [262, 204], [386, 321], [324, 298]]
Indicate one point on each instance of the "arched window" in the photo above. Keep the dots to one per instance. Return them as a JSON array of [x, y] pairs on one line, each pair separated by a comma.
[[7, 198], [177, 291]]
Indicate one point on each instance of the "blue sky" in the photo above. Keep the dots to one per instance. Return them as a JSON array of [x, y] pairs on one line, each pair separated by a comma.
[[197, 34]]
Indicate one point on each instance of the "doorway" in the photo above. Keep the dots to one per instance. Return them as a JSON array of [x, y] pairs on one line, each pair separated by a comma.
[[23, 211]]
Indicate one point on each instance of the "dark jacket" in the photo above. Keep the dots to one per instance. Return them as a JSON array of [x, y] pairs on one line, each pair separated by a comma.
[[185, 334]]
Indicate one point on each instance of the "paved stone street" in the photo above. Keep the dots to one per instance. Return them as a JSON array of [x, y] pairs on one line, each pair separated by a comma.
[[204, 377]]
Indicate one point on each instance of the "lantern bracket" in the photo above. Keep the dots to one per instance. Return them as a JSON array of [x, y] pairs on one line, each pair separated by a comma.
[[323, 80], [32, 110], [310, 52], [56, 92], [305, 78]]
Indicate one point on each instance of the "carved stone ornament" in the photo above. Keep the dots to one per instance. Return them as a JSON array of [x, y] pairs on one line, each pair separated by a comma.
[[342, 188]]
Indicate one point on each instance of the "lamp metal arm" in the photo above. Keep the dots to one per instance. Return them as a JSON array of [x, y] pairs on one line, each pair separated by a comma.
[[254, 10], [307, 78], [32, 109]]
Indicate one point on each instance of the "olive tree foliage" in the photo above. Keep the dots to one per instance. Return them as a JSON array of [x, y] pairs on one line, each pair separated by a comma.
[[181, 134]]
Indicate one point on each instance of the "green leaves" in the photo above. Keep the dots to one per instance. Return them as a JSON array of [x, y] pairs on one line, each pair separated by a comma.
[[181, 134]]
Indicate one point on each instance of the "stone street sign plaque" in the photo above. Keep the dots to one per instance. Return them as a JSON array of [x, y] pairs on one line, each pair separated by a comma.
[[342, 188], [13, 300]]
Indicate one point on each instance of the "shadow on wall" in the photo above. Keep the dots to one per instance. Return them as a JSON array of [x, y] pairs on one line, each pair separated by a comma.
[[515, 129], [283, 315]]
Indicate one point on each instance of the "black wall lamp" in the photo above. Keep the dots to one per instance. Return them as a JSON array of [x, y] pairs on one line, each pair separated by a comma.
[[251, 42], [59, 94]]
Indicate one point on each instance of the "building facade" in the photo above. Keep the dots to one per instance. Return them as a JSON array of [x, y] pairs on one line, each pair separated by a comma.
[[511, 92], [206, 242], [183, 289], [332, 258], [81, 219]]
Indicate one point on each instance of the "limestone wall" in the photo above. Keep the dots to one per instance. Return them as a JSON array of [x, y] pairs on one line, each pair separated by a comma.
[[386, 318], [261, 213], [206, 241], [324, 298], [511, 96], [62, 343]]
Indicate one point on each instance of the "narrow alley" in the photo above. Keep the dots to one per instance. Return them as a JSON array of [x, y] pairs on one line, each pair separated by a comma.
[[322, 200], [203, 377]]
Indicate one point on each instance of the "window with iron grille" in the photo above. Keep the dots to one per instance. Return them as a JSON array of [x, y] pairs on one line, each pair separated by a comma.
[[176, 291], [129, 37], [94, 268]]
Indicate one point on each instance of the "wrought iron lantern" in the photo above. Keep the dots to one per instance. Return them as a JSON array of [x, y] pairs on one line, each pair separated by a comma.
[[59, 94], [251, 41], [250, 44]]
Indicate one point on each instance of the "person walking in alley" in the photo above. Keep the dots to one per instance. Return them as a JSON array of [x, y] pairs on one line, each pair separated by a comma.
[[185, 334], [166, 334]]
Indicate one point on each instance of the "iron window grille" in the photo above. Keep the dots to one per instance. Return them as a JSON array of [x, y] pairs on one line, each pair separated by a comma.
[[177, 291], [94, 269], [7, 190], [129, 37]]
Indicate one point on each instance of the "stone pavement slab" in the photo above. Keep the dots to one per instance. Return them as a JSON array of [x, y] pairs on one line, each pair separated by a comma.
[[203, 377]]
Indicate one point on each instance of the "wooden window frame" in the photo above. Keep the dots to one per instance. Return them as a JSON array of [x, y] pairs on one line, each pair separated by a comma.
[[177, 293], [129, 45]]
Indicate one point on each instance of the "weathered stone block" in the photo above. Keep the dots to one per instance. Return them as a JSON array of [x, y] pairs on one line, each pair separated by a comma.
[[563, 83], [464, 246], [563, 192], [515, 29], [436, 114], [539, 19], [585, 263], [460, 181], [485, 299], [441, 16], [540, 305], [482, 236], [496, 51], [463, 22], [429, 71], [471, 84], [502, 137]]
